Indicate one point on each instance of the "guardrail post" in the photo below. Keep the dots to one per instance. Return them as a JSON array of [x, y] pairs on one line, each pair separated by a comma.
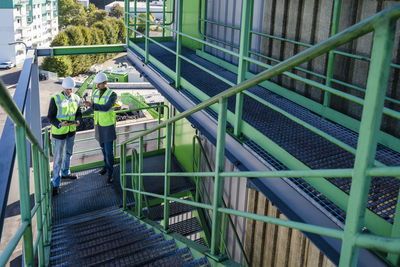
[[147, 31], [25, 204], [218, 180], [178, 45], [134, 20], [43, 183], [140, 177], [115, 148], [38, 200], [245, 44], [122, 174], [159, 130], [395, 258], [331, 56], [167, 169], [367, 141], [126, 19], [47, 181], [203, 14], [163, 17]]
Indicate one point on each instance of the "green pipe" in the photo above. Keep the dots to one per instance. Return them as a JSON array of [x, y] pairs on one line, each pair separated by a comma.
[[23, 173], [9, 249], [36, 244], [337, 173], [383, 171], [219, 167], [367, 140], [166, 177]]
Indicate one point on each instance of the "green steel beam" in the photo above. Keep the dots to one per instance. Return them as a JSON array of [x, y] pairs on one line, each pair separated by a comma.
[[367, 142], [81, 50], [178, 45]]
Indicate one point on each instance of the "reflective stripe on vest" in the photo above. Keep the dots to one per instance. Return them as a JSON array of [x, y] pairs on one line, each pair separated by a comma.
[[66, 110], [103, 118]]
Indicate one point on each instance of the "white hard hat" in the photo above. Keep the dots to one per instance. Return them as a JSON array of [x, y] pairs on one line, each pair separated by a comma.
[[68, 83], [100, 78]]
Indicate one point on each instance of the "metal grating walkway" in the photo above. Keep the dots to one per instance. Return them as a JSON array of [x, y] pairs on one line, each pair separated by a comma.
[[91, 191], [311, 149]]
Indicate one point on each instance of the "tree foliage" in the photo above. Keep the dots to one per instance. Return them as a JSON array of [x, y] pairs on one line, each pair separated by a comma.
[[116, 11], [83, 26]]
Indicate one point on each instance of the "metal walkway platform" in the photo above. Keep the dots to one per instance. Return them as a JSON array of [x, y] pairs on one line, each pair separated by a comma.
[[91, 191], [313, 150]]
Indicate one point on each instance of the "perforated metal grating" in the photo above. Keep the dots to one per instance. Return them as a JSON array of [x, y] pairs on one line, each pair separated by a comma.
[[311, 149]]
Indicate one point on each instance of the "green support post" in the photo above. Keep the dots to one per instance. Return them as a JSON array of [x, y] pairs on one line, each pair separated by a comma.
[[43, 183], [140, 177], [167, 169], [331, 56], [178, 45], [134, 21], [163, 17], [367, 140], [147, 31], [25, 204], [245, 45], [134, 170], [223, 233], [159, 130], [395, 258], [203, 14], [122, 174], [218, 180], [126, 19], [38, 201], [48, 179]]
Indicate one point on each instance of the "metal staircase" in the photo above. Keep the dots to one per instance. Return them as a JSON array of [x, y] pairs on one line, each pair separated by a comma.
[[112, 237]]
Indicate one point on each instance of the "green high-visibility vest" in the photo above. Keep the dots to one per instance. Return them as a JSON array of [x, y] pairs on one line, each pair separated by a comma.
[[66, 110], [103, 118]]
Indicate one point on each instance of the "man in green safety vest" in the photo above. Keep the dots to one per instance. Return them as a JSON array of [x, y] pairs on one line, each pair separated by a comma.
[[64, 115], [103, 100]]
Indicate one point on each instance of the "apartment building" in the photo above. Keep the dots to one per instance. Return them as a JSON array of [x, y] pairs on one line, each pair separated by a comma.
[[33, 22]]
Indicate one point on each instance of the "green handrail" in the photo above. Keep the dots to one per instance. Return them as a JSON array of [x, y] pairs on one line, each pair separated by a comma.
[[383, 24], [41, 209], [208, 164]]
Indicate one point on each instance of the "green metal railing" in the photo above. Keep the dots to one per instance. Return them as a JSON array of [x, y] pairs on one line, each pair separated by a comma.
[[41, 175], [198, 153], [383, 26], [159, 118]]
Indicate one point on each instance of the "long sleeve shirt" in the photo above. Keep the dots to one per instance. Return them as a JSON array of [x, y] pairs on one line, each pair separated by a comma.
[[107, 133], [52, 117]]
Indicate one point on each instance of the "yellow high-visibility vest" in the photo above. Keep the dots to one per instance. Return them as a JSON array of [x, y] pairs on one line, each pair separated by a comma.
[[103, 118], [66, 110]]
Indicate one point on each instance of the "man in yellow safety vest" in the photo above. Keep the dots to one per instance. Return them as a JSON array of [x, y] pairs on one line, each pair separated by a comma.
[[103, 100], [64, 115]]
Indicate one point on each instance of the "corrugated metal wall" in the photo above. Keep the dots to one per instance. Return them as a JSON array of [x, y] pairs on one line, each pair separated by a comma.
[[265, 244], [307, 21]]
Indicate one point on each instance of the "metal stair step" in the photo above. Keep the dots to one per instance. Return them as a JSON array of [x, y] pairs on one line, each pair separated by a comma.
[[201, 241], [179, 258], [82, 226], [76, 246], [111, 224], [175, 208], [87, 216], [198, 263], [95, 235], [143, 239], [187, 227], [138, 257]]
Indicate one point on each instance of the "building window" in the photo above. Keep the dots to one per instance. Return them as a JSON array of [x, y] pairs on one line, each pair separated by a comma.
[[18, 21]]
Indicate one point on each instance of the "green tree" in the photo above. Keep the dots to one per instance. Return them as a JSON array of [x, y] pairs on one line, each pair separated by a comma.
[[116, 11], [97, 16], [71, 12], [121, 30], [61, 39], [61, 65]]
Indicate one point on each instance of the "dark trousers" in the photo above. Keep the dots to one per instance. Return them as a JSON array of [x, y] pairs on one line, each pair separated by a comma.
[[107, 149]]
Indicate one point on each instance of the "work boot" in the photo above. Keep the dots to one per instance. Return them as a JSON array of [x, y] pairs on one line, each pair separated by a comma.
[[55, 190], [110, 179], [103, 171], [69, 176]]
